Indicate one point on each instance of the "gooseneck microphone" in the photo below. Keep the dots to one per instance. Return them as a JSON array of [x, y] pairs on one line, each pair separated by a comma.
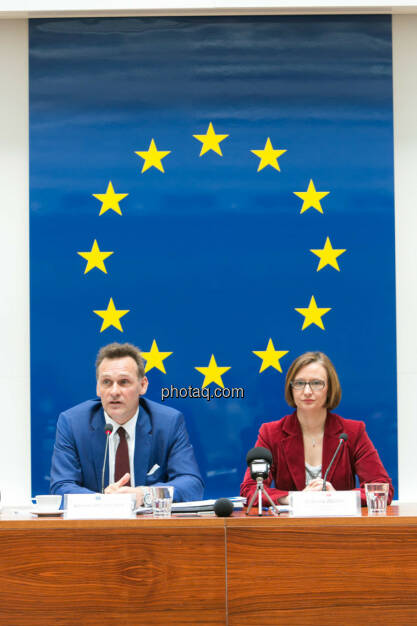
[[343, 437], [223, 507], [259, 461], [108, 429]]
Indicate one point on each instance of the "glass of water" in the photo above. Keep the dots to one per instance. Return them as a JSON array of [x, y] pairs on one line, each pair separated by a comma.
[[162, 501], [376, 497]]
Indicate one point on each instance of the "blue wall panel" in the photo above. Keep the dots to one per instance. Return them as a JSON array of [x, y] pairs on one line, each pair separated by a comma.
[[212, 256]]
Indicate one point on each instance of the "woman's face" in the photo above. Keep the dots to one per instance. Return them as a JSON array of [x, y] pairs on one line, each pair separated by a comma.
[[308, 398]]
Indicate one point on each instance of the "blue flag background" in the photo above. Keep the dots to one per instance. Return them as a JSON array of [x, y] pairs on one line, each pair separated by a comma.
[[212, 256]]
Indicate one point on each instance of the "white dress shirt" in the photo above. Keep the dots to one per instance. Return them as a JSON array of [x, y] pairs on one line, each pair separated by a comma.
[[130, 428]]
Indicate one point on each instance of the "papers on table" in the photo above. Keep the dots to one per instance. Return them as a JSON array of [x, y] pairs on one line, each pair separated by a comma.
[[196, 506], [282, 508]]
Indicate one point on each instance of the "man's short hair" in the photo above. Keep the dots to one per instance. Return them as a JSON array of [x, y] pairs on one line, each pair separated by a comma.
[[334, 390], [119, 351]]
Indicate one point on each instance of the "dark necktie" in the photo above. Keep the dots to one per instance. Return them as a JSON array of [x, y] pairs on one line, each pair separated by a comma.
[[121, 465]]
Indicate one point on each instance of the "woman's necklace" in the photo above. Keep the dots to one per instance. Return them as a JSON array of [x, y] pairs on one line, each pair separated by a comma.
[[316, 440]]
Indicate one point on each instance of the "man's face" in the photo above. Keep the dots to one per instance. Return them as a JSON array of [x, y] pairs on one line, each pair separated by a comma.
[[119, 388]]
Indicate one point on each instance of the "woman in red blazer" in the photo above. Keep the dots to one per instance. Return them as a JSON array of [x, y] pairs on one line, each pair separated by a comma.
[[303, 443]]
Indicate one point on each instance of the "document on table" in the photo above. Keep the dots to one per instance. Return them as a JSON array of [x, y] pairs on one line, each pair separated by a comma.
[[204, 505], [196, 506]]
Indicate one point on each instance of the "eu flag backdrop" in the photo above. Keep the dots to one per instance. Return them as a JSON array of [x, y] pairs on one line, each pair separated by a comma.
[[219, 192]]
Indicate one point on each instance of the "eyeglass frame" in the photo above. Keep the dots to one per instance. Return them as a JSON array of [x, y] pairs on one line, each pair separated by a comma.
[[309, 383]]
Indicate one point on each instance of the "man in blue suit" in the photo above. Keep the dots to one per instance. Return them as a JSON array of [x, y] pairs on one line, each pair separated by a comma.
[[154, 445]]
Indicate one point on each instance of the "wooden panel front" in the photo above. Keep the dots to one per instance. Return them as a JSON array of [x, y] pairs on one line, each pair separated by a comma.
[[339, 571], [149, 573]]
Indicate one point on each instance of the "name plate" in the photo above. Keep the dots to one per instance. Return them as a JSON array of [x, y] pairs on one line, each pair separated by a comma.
[[325, 503], [99, 506]]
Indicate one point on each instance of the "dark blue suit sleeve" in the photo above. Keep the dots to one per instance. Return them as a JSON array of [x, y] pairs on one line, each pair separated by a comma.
[[66, 471], [161, 439], [182, 469]]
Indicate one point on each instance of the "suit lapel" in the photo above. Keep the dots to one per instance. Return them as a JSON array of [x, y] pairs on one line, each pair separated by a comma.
[[294, 447], [294, 451], [143, 440], [98, 446], [332, 431]]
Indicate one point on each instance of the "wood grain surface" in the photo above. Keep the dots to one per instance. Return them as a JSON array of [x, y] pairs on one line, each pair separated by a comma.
[[322, 571], [281, 570], [140, 574]]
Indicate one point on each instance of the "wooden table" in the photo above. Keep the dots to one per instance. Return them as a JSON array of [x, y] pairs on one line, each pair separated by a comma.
[[320, 571], [205, 570]]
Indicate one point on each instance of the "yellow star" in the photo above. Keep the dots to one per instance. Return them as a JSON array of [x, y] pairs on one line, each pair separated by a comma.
[[111, 316], [328, 256], [311, 198], [154, 358], [210, 141], [110, 199], [212, 373], [153, 157], [270, 357], [95, 258], [268, 156], [312, 315]]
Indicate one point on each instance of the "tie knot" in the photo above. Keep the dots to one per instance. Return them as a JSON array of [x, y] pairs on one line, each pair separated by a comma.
[[121, 432]]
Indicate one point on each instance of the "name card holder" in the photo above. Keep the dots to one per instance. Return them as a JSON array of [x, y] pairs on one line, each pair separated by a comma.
[[325, 503], [99, 506]]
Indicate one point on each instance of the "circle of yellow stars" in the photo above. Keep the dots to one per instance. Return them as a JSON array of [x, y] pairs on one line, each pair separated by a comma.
[[268, 157]]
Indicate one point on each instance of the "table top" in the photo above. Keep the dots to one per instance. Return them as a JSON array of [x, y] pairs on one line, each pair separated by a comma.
[[21, 518]]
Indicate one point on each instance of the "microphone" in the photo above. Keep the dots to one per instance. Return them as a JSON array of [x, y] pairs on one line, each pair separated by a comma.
[[223, 507], [343, 437], [259, 461], [108, 429]]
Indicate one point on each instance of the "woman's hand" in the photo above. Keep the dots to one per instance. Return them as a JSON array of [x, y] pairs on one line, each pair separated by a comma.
[[317, 485]]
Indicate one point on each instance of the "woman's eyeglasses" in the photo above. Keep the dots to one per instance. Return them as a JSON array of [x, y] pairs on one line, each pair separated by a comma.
[[315, 385]]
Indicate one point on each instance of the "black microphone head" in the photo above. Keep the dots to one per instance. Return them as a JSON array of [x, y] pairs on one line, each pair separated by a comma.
[[259, 453], [108, 429], [344, 437], [223, 507]]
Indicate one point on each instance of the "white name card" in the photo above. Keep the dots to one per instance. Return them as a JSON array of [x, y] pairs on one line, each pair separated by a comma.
[[324, 503], [99, 506]]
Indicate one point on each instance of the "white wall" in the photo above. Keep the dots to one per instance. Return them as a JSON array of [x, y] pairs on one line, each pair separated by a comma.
[[14, 246], [14, 261], [62, 8], [404, 33]]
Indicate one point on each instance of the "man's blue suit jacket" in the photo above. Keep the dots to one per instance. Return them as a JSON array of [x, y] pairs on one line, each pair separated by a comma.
[[161, 438]]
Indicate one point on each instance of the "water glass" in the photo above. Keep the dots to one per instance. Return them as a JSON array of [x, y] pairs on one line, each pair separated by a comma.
[[162, 501], [376, 497]]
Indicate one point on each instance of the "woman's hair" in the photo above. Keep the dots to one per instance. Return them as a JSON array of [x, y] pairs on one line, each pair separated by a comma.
[[334, 390]]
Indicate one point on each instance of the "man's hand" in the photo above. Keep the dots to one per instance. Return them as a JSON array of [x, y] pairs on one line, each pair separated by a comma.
[[119, 487], [137, 490], [114, 487]]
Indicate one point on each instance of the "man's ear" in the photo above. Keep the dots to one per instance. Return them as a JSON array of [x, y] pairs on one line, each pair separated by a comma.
[[143, 384]]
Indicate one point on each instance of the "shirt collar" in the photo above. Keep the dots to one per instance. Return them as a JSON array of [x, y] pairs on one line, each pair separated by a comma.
[[129, 426]]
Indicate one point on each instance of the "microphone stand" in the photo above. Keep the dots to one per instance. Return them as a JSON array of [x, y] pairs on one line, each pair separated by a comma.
[[260, 489], [105, 458], [341, 442]]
